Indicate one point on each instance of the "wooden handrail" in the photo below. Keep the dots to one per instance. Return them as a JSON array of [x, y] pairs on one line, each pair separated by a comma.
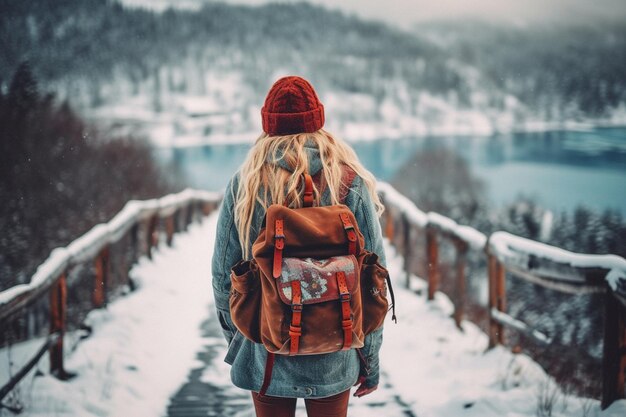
[[94, 247], [542, 264], [86, 247], [536, 262]]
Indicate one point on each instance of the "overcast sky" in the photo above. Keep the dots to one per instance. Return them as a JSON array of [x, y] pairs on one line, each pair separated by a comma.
[[408, 12]]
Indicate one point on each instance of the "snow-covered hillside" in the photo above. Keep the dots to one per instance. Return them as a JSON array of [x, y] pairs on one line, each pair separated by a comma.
[[377, 81]]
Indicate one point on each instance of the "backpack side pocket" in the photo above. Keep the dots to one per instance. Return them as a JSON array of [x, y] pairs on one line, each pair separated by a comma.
[[245, 299], [373, 293]]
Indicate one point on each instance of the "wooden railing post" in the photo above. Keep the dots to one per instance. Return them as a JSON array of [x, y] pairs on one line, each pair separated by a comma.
[[169, 229], [200, 212], [408, 250], [207, 208], [189, 215], [195, 210], [135, 253], [432, 256], [389, 226], [614, 351], [118, 251], [500, 296], [150, 235], [497, 300], [180, 220], [176, 217], [459, 302], [58, 310], [134, 243], [101, 282]]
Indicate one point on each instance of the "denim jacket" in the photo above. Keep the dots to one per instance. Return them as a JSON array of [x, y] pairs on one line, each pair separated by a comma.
[[310, 376]]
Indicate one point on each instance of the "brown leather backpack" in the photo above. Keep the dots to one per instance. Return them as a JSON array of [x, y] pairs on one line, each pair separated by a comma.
[[311, 287]]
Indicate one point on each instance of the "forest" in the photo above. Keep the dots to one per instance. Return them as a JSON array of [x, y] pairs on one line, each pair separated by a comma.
[[60, 176], [94, 52]]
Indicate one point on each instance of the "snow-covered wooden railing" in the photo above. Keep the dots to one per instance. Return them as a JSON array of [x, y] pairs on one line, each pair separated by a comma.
[[140, 225], [536, 262]]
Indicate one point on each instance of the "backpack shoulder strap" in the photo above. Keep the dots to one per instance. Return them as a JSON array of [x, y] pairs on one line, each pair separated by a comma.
[[346, 181], [347, 178], [307, 197]]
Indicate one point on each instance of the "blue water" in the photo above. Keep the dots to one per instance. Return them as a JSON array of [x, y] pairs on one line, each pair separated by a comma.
[[560, 169]]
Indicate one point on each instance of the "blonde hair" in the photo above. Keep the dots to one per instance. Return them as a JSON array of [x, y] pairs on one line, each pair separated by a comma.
[[264, 182]]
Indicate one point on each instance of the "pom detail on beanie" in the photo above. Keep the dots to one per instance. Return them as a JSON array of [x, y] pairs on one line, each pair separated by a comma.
[[292, 106]]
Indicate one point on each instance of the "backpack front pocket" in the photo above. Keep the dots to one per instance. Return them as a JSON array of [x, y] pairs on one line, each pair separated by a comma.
[[245, 299], [322, 305]]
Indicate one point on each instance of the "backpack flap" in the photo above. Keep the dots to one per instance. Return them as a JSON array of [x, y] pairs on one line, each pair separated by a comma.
[[318, 232]]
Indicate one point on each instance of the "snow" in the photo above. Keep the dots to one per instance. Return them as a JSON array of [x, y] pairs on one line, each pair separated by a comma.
[[15, 355], [89, 244], [221, 106], [475, 239], [161, 5], [124, 220], [144, 343], [441, 222], [12, 293], [508, 248], [406, 206], [520, 325], [547, 222], [56, 263], [513, 249], [448, 373], [198, 105]]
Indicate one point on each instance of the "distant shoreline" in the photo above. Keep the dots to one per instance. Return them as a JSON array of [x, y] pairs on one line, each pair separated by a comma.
[[250, 137]]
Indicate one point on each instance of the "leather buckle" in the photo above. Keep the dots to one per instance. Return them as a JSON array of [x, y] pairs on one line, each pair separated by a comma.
[[279, 236], [295, 331], [345, 220], [296, 307], [345, 296]]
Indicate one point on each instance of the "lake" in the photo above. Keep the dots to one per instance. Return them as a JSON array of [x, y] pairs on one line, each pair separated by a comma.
[[561, 169]]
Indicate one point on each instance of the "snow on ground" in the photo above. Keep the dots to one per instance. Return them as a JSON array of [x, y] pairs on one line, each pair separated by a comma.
[[144, 345], [447, 373]]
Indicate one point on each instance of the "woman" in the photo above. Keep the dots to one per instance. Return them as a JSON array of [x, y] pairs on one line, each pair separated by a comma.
[[294, 143]]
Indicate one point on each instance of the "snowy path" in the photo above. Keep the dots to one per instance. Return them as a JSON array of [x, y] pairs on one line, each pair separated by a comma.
[[209, 392], [158, 351]]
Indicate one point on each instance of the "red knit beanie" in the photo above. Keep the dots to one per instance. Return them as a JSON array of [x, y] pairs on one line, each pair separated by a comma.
[[291, 106]]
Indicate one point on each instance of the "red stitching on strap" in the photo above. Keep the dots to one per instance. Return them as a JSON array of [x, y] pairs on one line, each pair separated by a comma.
[[295, 331], [307, 198], [350, 232], [279, 245], [346, 312]]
